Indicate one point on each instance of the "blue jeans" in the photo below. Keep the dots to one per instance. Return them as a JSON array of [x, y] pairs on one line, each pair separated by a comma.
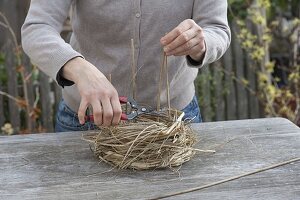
[[67, 119], [192, 111]]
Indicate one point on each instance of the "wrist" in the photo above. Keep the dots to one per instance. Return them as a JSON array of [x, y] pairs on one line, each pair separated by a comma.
[[199, 56], [71, 70]]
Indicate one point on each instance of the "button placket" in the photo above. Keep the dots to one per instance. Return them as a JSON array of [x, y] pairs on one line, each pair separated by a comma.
[[137, 21], [138, 15], [136, 35]]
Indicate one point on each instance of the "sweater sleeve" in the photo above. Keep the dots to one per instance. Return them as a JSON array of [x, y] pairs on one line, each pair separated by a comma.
[[41, 38], [211, 16]]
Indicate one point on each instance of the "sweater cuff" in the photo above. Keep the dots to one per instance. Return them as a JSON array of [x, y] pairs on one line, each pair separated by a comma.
[[198, 64], [192, 62], [61, 80]]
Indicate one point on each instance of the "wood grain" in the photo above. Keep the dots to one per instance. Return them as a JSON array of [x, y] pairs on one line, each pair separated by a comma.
[[61, 166]]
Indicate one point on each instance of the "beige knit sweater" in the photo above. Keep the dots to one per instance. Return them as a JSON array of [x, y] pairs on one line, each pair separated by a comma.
[[102, 30]]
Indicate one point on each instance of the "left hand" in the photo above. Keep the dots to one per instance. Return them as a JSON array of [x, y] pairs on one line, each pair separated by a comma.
[[186, 39]]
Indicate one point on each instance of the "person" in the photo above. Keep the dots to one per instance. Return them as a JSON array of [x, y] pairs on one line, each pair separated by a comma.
[[192, 33]]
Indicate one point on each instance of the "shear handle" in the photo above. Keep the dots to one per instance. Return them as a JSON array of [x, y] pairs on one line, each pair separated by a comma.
[[90, 118]]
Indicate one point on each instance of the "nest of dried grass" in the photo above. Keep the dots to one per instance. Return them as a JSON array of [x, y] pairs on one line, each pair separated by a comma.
[[146, 143], [149, 141]]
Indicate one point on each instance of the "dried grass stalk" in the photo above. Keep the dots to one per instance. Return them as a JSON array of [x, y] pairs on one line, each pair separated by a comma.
[[148, 142]]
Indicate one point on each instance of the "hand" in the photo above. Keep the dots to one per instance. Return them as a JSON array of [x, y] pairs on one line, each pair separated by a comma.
[[95, 90], [186, 39]]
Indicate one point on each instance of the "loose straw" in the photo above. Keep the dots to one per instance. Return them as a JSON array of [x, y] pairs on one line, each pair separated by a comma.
[[109, 77], [149, 141], [168, 83], [228, 179], [160, 81], [164, 69], [133, 70]]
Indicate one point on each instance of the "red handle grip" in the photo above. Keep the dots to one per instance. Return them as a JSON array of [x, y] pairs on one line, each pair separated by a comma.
[[90, 118], [124, 117], [123, 99]]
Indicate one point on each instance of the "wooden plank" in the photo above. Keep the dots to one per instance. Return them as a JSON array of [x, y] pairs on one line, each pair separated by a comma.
[[46, 104], [7, 47], [21, 8], [230, 97], [61, 166], [12, 86], [2, 120], [206, 92], [21, 12], [57, 96], [241, 93], [30, 90], [253, 103], [13, 11], [219, 95], [8, 8], [250, 187]]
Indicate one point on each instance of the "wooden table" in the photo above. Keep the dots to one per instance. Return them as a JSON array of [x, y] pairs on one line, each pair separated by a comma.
[[61, 166]]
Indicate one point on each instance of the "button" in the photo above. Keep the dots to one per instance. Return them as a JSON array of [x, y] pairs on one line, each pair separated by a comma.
[[138, 15]]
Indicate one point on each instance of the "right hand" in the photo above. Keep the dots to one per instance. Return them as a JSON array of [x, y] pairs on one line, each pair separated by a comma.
[[95, 90]]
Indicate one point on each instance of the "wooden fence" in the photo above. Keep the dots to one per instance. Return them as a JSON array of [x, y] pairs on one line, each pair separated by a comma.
[[221, 98]]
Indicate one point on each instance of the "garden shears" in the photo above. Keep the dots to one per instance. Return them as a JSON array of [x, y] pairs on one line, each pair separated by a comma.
[[130, 109]]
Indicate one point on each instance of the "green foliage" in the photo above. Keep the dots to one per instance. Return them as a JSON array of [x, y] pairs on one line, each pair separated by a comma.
[[238, 8], [277, 101], [29, 112], [266, 28]]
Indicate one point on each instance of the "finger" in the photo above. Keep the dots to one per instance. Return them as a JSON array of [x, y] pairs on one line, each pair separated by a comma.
[[117, 110], [81, 111], [182, 27], [185, 53], [198, 49], [180, 40], [107, 111], [194, 51], [191, 44], [97, 112]]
